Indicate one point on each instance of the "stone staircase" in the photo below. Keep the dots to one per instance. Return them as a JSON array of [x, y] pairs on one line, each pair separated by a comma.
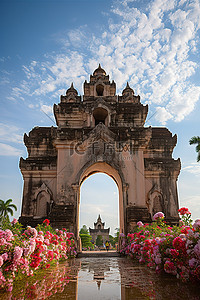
[[102, 253]]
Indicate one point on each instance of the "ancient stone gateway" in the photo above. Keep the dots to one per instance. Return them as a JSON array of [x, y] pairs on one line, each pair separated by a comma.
[[99, 132]]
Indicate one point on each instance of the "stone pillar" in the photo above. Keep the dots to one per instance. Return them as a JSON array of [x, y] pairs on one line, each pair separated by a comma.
[[76, 189], [140, 179]]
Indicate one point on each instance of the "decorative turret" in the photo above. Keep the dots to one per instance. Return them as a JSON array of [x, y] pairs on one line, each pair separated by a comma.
[[99, 71], [71, 90], [99, 219], [71, 95], [99, 86], [128, 91], [128, 95], [99, 224]]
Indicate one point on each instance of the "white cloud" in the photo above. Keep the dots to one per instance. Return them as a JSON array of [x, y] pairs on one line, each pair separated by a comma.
[[32, 106], [162, 115], [193, 168], [193, 202], [48, 109], [150, 49], [10, 133], [7, 150]]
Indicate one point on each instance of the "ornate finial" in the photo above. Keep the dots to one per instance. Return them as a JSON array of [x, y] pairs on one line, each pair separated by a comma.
[[127, 90], [72, 90], [99, 71]]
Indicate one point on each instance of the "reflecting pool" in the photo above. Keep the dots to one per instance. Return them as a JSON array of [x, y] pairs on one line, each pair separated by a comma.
[[103, 278]]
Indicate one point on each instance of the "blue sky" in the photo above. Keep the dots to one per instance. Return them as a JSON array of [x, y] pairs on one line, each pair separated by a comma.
[[45, 45]]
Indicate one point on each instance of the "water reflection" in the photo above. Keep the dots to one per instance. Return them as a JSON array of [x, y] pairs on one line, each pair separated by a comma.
[[102, 278]]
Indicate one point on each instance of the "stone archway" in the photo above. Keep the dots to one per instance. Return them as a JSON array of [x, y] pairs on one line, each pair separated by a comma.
[[100, 132], [102, 167]]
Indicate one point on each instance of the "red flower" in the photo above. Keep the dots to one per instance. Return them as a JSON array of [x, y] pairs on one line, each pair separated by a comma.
[[179, 244], [184, 230], [47, 266], [174, 253], [184, 211], [50, 255], [46, 222]]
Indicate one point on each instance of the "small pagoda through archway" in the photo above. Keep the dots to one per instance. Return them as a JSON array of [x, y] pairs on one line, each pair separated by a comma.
[[99, 230]]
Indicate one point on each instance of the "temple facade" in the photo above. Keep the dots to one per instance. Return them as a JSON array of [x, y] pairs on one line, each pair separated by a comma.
[[99, 132], [99, 230]]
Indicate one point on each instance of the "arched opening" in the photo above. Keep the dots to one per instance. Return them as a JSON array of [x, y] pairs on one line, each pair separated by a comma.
[[100, 114], [99, 197], [99, 89], [42, 203]]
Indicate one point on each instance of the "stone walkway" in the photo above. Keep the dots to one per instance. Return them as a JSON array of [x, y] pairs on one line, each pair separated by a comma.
[[110, 253]]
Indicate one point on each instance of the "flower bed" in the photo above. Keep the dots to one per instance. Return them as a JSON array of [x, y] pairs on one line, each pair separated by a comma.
[[174, 250], [24, 252]]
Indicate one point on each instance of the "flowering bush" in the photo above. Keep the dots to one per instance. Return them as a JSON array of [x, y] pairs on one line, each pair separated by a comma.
[[174, 250], [21, 254]]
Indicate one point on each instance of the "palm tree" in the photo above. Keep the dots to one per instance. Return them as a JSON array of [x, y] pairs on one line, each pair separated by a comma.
[[6, 208], [196, 140]]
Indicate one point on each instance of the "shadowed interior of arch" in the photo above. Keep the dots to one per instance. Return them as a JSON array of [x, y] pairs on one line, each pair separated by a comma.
[[100, 114], [99, 89], [99, 195]]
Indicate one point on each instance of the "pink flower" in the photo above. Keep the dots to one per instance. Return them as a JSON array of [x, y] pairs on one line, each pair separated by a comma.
[[196, 224], [1, 260], [1, 233], [9, 287], [140, 224], [158, 215], [8, 235], [197, 249], [5, 256], [17, 253], [2, 278], [40, 238], [34, 232], [122, 234], [26, 251], [32, 245], [182, 236], [46, 242], [14, 221], [2, 241], [170, 268], [193, 262], [158, 259], [158, 240]]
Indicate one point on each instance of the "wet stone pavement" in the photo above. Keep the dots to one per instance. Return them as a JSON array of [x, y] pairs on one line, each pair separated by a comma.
[[106, 278]]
